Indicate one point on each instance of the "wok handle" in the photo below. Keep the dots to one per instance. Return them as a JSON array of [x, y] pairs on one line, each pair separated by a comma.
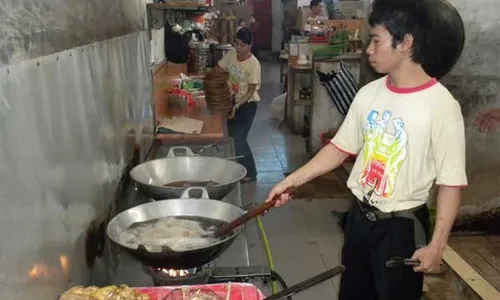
[[252, 213], [204, 192], [171, 152], [304, 285]]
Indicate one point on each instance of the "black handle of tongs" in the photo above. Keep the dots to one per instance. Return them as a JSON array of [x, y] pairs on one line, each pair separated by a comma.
[[304, 285], [397, 262]]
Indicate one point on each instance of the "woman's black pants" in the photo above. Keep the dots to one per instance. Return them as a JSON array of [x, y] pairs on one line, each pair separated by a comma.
[[238, 128]]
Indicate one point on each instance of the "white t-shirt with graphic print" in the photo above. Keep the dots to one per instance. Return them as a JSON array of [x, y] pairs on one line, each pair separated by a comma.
[[241, 74], [406, 139]]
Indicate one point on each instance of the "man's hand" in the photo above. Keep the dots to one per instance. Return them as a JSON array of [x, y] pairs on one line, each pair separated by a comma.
[[279, 191], [488, 120], [448, 205], [430, 259]]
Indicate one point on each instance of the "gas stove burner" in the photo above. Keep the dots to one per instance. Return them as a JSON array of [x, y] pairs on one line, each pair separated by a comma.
[[172, 277]]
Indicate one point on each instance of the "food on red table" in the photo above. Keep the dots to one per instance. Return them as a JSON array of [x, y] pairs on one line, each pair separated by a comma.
[[111, 292], [195, 294]]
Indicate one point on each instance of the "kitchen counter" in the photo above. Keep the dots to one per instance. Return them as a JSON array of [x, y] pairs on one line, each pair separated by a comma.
[[214, 124]]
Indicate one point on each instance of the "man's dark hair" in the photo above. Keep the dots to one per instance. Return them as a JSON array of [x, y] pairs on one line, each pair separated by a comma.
[[402, 17], [245, 35], [314, 3]]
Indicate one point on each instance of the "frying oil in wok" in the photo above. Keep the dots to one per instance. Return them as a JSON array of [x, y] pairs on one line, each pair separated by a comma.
[[178, 233]]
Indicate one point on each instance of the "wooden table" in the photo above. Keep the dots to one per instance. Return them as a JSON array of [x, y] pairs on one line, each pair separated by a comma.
[[214, 124]]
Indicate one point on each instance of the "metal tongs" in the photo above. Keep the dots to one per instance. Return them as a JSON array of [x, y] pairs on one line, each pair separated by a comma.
[[398, 262]]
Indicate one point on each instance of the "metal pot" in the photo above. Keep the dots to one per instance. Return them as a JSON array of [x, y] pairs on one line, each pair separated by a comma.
[[198, 57], [217, 51], [219, 176], [184, 207]]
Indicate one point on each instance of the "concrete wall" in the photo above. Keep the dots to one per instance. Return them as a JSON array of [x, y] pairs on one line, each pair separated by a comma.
[[37, 28], [475, 82]]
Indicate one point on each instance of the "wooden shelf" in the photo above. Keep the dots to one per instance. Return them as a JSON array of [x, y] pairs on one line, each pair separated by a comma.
[[165, 6], [346, 56], [157, 12]]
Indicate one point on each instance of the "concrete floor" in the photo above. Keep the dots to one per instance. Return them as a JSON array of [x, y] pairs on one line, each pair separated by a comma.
[[304, 236]]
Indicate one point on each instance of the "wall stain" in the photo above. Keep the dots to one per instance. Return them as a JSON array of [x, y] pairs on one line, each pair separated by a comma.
[[38, 28]]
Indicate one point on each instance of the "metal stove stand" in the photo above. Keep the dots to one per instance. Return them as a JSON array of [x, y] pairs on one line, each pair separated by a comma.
[[247, 274], [210, 274], [222, 270]]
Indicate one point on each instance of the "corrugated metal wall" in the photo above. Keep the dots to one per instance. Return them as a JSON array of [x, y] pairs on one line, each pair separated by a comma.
[[75, 86]]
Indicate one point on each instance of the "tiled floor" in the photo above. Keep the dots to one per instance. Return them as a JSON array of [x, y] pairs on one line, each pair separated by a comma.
[[304, 236]]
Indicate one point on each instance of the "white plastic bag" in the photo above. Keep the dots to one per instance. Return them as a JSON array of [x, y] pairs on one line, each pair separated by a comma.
[[278, 107]]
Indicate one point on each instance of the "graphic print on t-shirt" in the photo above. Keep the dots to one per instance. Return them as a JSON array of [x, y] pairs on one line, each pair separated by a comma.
[[385, 150], [235, 78]]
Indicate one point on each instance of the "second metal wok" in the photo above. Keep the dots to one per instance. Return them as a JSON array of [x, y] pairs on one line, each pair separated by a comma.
[[184, 207], [219, 176]]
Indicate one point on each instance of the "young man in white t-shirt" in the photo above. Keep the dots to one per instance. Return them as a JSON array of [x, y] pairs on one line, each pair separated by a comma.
[[408, 133]]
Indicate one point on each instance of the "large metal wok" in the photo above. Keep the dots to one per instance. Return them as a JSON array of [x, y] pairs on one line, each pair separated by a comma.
[[184, 207], [219, 176]]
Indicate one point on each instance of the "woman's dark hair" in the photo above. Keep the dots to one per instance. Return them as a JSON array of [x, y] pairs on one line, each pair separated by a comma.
[[241, 21], [402, 17], [245, 35], [314, 3]]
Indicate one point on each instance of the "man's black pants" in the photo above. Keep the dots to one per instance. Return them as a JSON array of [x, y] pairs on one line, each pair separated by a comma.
[[368, 245]]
